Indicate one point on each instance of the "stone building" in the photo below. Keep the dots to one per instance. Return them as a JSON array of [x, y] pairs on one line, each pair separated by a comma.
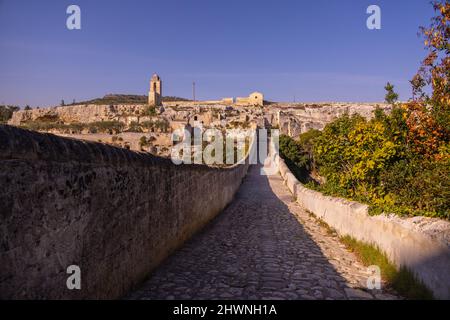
[[254, 99], [155, 93]]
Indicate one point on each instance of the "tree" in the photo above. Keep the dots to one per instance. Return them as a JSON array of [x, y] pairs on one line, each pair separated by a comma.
[[149, 111], [435, 68], [428, 116], [391, 96], [27, 107], [6, 112], [398, 162], [143, 142], [62, 103]]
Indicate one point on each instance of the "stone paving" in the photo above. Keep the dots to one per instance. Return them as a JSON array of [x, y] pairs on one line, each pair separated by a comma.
[[263, 246]]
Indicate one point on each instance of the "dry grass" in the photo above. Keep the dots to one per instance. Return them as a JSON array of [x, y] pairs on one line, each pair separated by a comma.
[[402, 280]]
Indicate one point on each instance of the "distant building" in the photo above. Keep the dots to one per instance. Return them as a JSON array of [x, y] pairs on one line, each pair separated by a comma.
[[254, 99], [155, 93], [155, 98]]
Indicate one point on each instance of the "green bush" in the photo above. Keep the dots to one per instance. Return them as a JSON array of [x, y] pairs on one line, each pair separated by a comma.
[[111, 127], [148, 124], [6, 112], [297, 160], [48, 123], [417, 187], [293, 152], [162, 125], [134, 127], [143, 142], [372, 161], [149, 111]]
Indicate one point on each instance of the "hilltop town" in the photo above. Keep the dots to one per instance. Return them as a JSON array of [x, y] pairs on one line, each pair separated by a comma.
[[148, 125], [134, 189]]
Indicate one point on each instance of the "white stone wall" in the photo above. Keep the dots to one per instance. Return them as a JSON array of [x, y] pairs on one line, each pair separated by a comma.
[[420, 244]]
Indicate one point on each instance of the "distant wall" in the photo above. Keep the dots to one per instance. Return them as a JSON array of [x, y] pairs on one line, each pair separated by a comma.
[[218, 103], [421, 244], [115, 213], [81, 113]]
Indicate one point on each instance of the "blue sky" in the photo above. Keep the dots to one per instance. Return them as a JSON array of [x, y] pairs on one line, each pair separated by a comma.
[[317, 50]]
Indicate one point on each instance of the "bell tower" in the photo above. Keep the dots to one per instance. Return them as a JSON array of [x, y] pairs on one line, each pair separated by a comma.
[[155, 93]]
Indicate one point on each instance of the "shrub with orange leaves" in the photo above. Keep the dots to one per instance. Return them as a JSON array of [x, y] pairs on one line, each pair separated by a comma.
[[429, 116]]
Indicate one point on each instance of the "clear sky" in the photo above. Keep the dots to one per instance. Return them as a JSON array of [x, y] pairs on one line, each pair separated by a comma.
[[315, 50]]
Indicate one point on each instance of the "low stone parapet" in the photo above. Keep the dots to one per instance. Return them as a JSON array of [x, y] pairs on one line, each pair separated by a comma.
[[421, 244]]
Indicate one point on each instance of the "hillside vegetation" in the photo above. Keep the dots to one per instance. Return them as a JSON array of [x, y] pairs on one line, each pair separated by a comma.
[[124, 99], [6, 113]]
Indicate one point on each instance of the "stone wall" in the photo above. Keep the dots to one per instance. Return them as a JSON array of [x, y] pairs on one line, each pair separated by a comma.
[[421, 244], [97, 113], [116, 214]]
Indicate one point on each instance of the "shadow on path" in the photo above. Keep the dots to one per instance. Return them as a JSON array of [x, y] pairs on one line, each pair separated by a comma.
[[255, 249]]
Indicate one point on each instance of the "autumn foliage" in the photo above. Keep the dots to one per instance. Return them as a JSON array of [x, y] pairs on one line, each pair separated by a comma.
[[428, 115]]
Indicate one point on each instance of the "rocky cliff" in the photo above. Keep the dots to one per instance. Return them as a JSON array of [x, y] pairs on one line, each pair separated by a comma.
[[79, 113], [294, 119]]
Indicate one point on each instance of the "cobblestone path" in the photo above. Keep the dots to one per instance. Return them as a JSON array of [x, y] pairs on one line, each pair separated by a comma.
[[263, 246]]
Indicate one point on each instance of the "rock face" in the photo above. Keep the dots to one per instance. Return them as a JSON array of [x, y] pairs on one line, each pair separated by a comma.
[[114, 213], [295, 119], [80, 113], [292, 119]]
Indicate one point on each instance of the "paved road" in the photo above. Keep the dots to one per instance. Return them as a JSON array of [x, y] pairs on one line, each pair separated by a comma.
[[263, 246]]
